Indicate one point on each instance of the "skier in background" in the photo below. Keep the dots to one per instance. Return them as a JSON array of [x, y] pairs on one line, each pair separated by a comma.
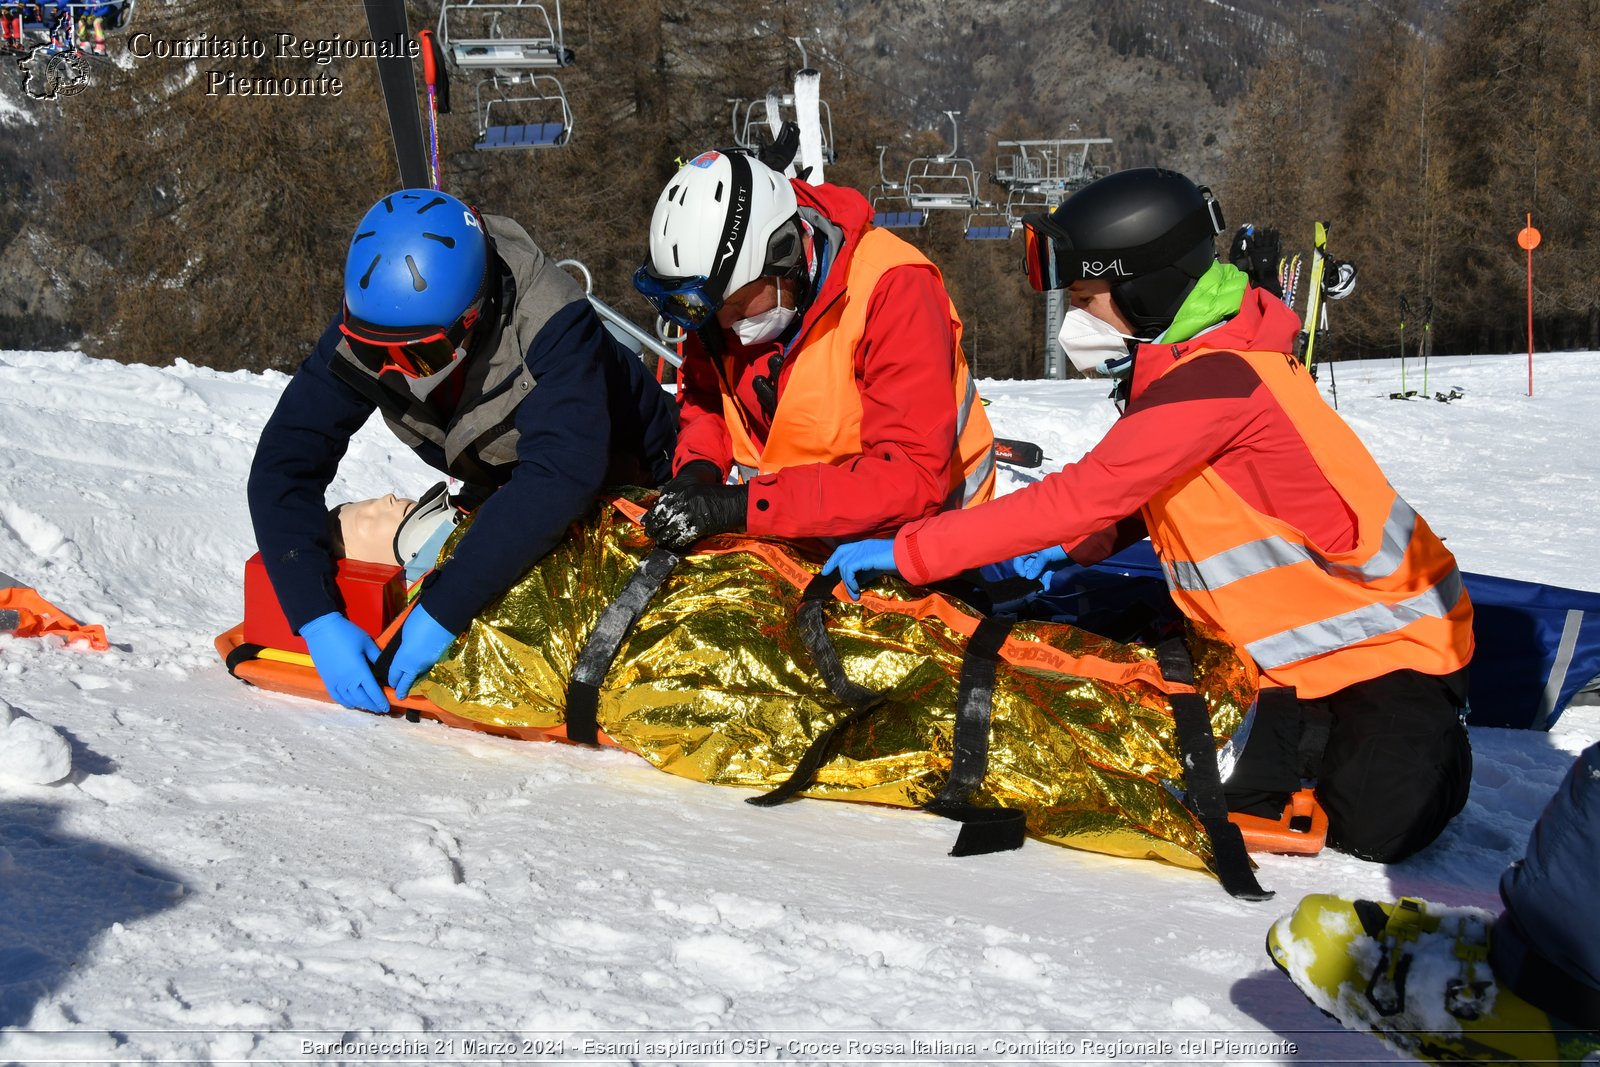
[[1273, 523]]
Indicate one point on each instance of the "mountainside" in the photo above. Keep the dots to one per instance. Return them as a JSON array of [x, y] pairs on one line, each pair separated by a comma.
[[1386, 118], [1157, 76]]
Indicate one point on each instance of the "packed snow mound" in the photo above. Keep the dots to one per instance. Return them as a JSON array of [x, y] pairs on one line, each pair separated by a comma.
[[31, 751]]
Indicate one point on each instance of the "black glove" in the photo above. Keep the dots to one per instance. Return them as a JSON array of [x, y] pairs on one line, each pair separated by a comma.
[[683, 514], [784, 147], [695, 472]]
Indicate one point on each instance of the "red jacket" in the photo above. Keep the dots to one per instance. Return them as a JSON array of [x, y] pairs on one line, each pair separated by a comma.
[[1213, 410], [904, 366]]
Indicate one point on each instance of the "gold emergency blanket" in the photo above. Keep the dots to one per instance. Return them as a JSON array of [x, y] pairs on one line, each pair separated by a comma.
[[715, 684]]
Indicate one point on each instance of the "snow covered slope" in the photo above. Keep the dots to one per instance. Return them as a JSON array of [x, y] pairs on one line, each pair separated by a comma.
[[227, 874]]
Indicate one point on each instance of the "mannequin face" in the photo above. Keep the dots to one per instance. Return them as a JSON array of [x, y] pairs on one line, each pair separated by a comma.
[[369, 526]]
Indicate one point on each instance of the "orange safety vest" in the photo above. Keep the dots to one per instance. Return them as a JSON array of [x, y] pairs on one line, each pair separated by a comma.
[[819, 416], [1316, 620]]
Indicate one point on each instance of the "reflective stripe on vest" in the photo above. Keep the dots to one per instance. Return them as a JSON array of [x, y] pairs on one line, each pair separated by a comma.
[[1315, 619], [1341, 631], [1257, 557], [982, 474]]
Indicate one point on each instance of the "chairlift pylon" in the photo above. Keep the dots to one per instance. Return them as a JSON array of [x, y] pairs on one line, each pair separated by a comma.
[[1037, 176]]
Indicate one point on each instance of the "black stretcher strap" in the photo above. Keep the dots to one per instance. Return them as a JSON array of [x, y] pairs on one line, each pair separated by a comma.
[[583, 692], [242, 653], [1198, 747], [386, 654], [862, 702], [983, 830]]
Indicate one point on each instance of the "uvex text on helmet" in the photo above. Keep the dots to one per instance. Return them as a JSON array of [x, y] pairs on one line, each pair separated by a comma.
[[1149, 232], [725, 217], [418, 258]]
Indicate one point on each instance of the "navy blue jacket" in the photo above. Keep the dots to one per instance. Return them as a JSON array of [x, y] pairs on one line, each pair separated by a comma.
[[594, 404]]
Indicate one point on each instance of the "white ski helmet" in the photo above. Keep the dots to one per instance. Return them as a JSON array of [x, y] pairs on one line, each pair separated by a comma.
[[727, 218]]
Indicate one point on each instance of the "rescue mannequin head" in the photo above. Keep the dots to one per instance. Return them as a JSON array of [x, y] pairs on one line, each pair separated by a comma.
[[365, 529]]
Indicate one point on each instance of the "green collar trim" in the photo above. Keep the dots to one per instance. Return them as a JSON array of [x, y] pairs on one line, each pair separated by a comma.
[[1216, 296]]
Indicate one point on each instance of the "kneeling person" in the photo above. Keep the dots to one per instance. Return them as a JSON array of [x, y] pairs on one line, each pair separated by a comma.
[[824, 361], [1273, 523]]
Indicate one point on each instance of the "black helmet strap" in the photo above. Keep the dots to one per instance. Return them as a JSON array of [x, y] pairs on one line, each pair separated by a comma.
[[735, 226]]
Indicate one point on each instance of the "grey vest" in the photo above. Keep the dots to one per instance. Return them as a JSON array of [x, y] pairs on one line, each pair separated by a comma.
[[479, 440]]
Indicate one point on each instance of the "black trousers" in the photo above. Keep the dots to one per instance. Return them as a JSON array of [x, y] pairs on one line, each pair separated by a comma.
[[1394, 769]]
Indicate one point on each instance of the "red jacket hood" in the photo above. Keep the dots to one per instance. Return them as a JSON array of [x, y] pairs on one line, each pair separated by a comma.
[[846, 209], [1264, 324]]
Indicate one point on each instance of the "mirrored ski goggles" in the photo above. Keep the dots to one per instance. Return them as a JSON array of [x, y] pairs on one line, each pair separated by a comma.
[[416, 352], [1042, 256], [685, 302]]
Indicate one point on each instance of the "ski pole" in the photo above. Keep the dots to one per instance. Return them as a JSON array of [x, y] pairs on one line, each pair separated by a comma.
[[1427, 339], [1404, 309], [430, 77]]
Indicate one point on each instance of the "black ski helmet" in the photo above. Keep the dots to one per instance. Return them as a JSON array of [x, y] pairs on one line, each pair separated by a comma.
[[1149, 232]]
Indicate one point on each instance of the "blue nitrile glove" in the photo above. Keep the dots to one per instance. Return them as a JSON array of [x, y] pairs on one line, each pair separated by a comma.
[[343, 653], [861, 563], [422, 642], [1033, 564]]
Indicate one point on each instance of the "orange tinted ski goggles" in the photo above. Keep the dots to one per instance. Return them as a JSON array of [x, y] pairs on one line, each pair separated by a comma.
[[1042, 256], [416, 352]]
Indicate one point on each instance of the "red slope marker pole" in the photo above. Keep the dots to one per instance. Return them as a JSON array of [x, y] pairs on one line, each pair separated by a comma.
[[1528, 238]]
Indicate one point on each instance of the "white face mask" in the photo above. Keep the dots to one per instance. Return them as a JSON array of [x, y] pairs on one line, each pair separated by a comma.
[[1094, 344], [767, 326]]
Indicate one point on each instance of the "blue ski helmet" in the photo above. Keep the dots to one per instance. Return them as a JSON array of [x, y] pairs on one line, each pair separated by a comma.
[[418, 258]]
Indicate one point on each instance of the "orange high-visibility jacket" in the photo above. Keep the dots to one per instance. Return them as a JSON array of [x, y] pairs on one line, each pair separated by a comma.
[[819, 414], [1319, 621]]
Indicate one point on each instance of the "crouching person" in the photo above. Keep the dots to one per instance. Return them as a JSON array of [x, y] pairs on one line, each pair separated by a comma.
[[487, 360]]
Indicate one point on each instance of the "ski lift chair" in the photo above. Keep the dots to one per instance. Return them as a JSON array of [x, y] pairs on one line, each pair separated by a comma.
[[503, 37], [34, 19], [990, 222], [752, 117], [538, 97], [891, 208], [117, 21], [113, 24], [946, 182]]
